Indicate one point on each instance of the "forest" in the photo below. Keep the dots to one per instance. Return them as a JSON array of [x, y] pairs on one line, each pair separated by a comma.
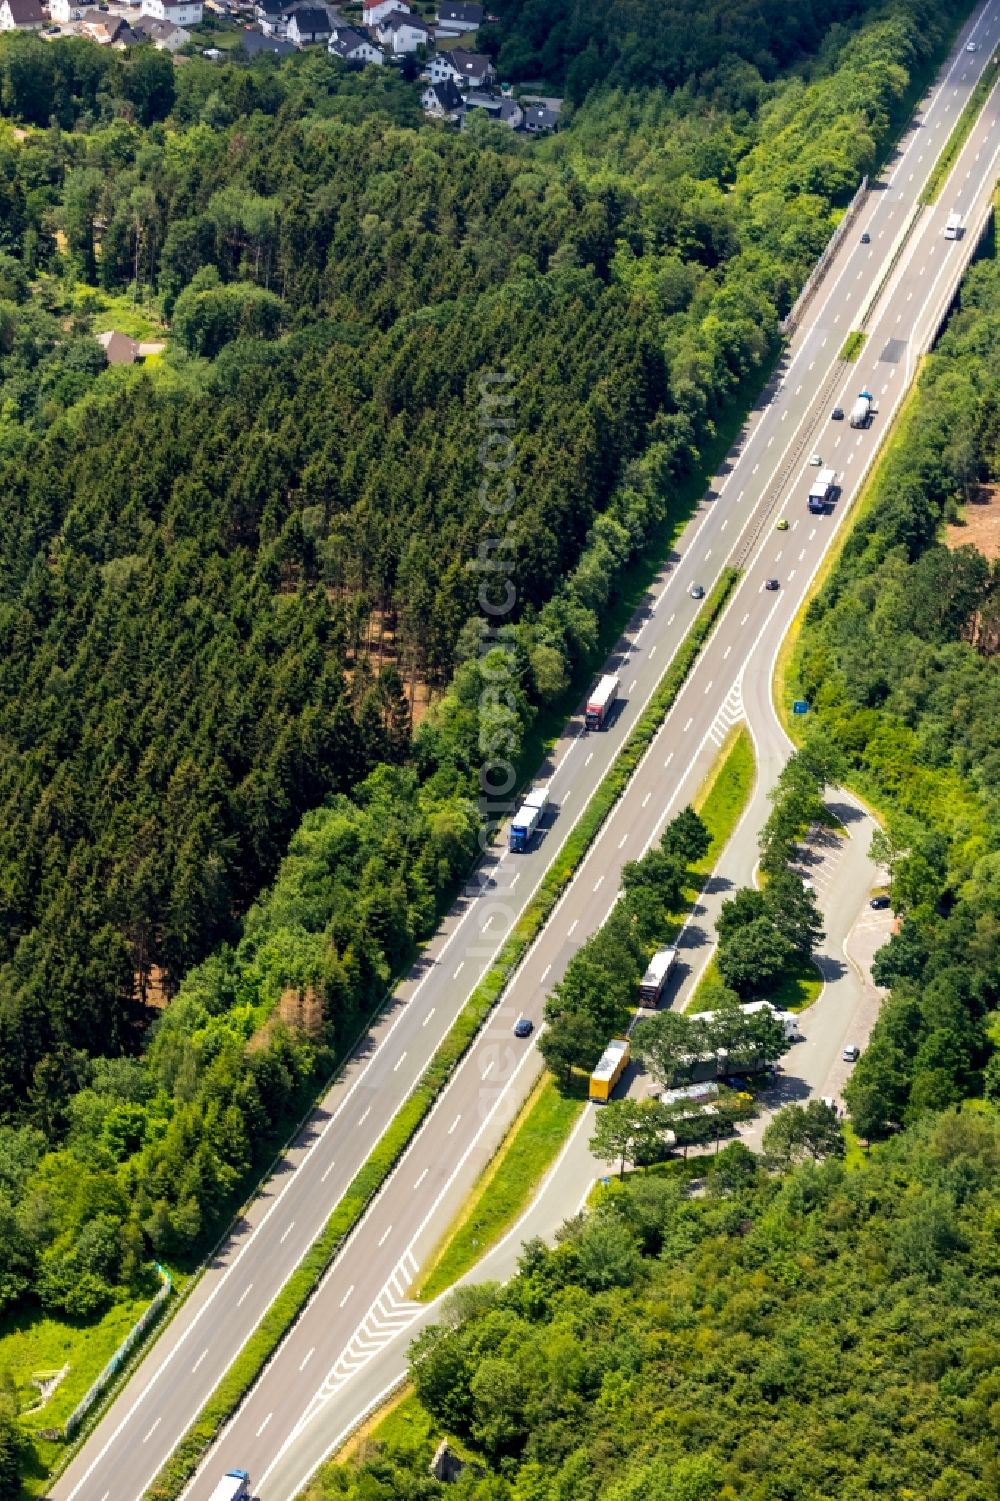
[[719, 1332], [241, 694]]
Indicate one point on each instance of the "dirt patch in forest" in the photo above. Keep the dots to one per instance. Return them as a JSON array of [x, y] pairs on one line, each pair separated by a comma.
[[981, 525]]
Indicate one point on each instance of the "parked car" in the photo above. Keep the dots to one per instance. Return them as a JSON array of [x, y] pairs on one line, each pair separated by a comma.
[[772, 584], [697, 592], [523, 1027], [879, 903], [852, 1053], [837, 415]]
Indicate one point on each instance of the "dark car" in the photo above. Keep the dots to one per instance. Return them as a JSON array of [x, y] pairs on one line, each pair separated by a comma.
[[523, 1027], [697, 591], [879, 903], [772, 584], [837, 415], [866, 238]]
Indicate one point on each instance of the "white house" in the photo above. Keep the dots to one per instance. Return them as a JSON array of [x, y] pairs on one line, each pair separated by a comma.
[[308, 25], [454, 18], [180, 12], [439, 68], [402, 33], [62, 12], [20, 15], [442, 100], [471, 70], [373, 11], [354, 46]]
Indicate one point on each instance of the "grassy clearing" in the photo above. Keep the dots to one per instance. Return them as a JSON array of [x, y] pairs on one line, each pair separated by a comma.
[[798, 987], [960, 134], [507, 1186], [118, 311], [31, 1344], [853, 345], [287, 1307]]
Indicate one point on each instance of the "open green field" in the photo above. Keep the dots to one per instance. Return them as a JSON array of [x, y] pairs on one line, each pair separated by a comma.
[[34, 1345]]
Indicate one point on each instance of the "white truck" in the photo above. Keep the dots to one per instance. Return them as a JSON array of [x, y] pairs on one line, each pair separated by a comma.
[[788, 1019], [823, 491], [863, 409], [527, 818], [234, 1486], [652, 983], [953, 228], [600, 701]]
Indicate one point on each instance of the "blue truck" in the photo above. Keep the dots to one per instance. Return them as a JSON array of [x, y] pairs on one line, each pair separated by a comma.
[[526, 819]]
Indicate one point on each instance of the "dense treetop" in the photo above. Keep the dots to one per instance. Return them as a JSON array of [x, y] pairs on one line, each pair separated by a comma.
[[825, 1333]]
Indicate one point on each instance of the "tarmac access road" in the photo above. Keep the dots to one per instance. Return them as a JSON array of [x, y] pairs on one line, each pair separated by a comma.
[[362, 1301]]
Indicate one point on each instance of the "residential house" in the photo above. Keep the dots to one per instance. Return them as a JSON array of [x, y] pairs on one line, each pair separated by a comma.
[[401, 33], [118, 348], [354, 45], [471, 69], [63, 11], [254, 43], [439, 68], [269, 11], [107, 30], [373, 11], [20, 15], [454, 18], [442, 100], [164, 35], [538, 118], [180, 12], [506, 111], [308, 25]]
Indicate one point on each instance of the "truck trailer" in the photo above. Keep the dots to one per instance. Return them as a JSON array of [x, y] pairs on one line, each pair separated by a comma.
[[788, 1019], [600, 701], [234, 1486], [527, 818], [652, 983], [823, 491], [614, 1061], [863, 409]]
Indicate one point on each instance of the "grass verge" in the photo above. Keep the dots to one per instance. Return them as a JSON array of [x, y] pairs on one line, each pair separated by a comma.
[[507, 1186], [288, 1305], [960, 134], [724, 794], [853, 345]]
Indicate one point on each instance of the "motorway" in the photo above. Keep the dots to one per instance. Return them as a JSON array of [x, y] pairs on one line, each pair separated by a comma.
[[362, 1304]]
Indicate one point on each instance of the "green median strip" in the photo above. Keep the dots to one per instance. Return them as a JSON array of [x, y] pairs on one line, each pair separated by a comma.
[[508, 1184], [290, 1302], [853, 345], [960, 134]]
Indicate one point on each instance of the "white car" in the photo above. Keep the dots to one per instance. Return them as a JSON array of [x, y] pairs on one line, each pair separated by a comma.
[[970, 46], [852, 1053], [816, 460]]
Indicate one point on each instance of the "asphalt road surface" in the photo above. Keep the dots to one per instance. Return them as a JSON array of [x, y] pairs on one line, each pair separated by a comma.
[[362, 1302]]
